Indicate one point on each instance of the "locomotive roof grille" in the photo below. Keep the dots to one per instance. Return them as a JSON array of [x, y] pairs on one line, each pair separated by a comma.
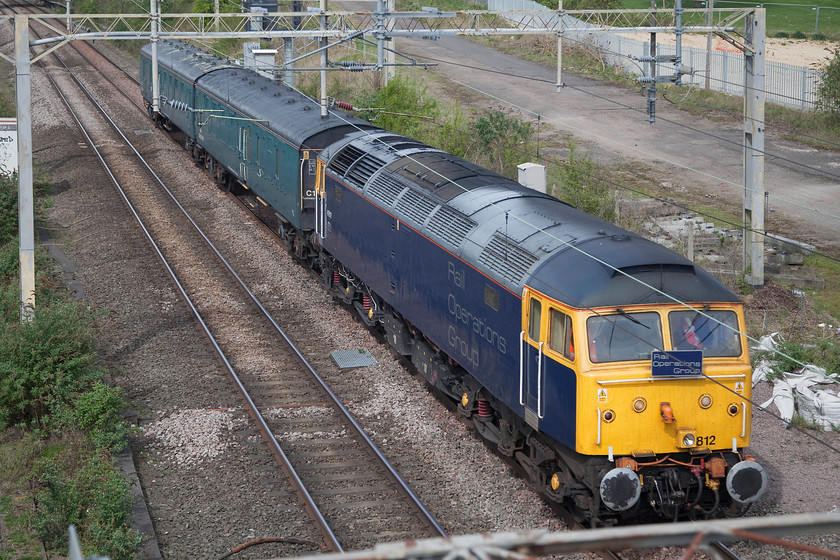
[[450, 225], [506, 259], [345, 159], [385, 190], [415, 206], [364, 167]]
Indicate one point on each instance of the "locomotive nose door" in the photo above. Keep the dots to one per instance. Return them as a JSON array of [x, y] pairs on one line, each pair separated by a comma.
[[532, 362]]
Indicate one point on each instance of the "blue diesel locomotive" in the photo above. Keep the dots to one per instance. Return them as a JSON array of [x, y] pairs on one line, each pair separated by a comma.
[[612, 369]]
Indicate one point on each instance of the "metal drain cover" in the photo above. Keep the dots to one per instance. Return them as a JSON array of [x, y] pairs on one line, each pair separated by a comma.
[[346, 359]]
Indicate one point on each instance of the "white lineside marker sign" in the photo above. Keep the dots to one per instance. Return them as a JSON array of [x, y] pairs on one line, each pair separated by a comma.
[[8, 146]]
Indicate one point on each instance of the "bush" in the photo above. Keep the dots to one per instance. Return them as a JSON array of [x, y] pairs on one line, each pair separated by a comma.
[[98, 413], [584, 4], [789, 355], [799, 35], [8, 208], [582, 187], [782, 35], [44, 364], [828, 90], [402, 106], [504, 142]]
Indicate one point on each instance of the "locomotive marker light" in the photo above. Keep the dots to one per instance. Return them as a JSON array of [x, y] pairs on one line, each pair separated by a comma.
[[620, 489], [639, 404]]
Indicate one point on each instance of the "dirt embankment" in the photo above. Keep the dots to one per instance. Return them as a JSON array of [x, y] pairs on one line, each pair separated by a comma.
[[796, 52]]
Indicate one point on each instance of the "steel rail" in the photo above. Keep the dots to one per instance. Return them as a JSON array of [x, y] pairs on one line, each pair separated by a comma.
[[372, 448], [300, 489], [277, 450]]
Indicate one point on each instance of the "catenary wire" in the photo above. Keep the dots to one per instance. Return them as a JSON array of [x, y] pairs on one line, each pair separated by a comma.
[[774, 197]]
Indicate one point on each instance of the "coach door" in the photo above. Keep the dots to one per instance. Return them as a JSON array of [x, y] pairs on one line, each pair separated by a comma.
[[244, 148], [532, 360]]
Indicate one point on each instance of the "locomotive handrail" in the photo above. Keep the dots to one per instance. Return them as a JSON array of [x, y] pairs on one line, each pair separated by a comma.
[[539, 381], [521, 368], [671, 378], [743, 418], [320, 198]]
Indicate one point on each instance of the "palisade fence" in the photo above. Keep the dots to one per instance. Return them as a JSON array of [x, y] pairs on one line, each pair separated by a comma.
[[785, 84]]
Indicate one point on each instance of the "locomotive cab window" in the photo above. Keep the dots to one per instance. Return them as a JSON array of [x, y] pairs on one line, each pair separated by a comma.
[[713, 332], [534, 319], [560, 336], [623, 337]]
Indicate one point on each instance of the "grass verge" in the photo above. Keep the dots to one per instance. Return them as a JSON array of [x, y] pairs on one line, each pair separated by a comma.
[[59, 423]]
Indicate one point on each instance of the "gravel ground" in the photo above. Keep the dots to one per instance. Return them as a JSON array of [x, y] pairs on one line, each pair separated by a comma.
[[198, 457]]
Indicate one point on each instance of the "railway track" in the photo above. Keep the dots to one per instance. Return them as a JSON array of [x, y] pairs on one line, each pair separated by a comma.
[[351, 493]]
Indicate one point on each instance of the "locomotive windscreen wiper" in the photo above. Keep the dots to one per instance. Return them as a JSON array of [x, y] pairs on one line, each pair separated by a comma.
[[623, 313]]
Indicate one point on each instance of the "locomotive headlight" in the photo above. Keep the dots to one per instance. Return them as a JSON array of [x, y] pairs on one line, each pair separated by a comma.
[[639, 404], [705, 401], [686, 437]]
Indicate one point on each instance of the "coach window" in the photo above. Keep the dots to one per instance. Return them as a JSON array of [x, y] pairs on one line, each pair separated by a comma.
[[534, 319], [560, 338]]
